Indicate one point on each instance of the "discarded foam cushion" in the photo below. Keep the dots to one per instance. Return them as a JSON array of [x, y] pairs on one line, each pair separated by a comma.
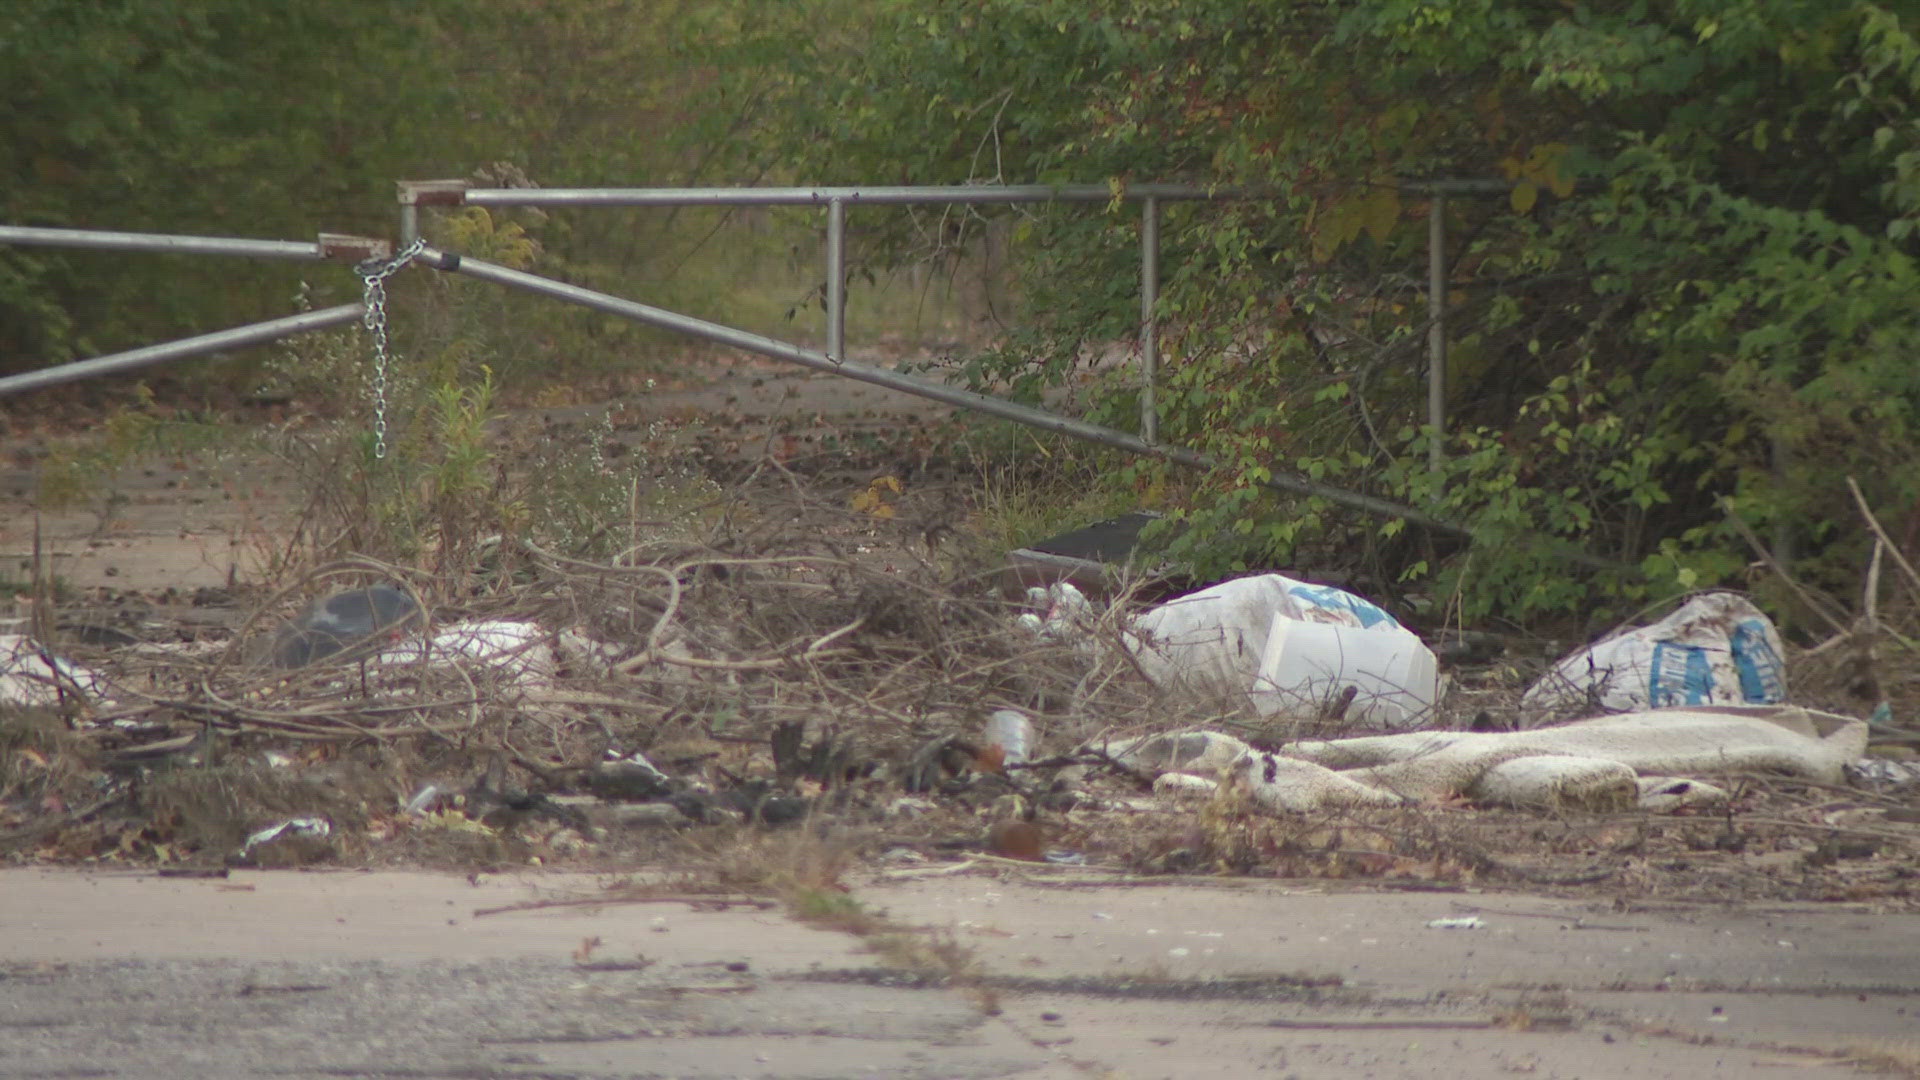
[[1665, 794], [1597, 764], [1551, 782], [1290, 786]]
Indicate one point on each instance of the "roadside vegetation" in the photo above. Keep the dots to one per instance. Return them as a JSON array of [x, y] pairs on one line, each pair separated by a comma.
[[1679, 300], [1675, 326]]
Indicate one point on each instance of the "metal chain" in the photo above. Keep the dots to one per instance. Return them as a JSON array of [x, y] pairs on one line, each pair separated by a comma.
[[373, 275]]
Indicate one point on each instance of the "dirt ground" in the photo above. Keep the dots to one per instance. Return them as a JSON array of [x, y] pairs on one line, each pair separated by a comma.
[[208, 522], [1604, 947]]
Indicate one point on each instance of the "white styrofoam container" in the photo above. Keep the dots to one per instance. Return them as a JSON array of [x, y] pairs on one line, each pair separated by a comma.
[[1395, 676]]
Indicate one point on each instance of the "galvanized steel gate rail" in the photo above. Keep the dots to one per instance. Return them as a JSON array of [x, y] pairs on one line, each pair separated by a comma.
[[328, 246], [836, 200]]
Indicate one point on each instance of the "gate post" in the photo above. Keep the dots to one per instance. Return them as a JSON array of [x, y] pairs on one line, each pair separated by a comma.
[[837, 279], [1437, 330], [415, 194], [1149, 326]]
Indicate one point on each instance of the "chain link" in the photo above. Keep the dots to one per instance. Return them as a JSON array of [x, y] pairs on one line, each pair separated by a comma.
[[373, 276]]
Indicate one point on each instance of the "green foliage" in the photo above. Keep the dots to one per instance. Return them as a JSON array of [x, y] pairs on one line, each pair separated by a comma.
[[214, 116], [461, 499], [463, 477], [1017, 506], [1690, 306], [86, 470], [233, 118], [1693, 302]]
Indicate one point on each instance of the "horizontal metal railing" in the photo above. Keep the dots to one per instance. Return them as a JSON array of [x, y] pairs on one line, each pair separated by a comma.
[[328, 246], [218, 341], [836, 200], [417, 193], [912, 195], [894, 380]]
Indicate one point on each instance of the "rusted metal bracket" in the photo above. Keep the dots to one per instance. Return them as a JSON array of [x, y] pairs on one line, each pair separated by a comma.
[[354, 249], [415, 194]]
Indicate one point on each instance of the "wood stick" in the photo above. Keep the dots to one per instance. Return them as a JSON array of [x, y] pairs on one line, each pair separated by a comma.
[[695, 901], [1874, 524]]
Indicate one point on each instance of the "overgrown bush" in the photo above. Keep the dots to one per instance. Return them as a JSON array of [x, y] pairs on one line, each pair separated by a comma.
[[460, 479], [1678, 310]]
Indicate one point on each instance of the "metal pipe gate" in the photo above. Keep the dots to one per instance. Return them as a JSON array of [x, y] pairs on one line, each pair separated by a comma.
[[893, 380], [836, 200], [415, 194], [328, 246]]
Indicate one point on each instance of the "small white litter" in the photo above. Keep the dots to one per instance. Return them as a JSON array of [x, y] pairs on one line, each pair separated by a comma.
[[1464, 922], [26, 678], [639, 761], [1012, 732], [521, 651], [1059, 612], [315, 827], [427, 799], [1882, 774]]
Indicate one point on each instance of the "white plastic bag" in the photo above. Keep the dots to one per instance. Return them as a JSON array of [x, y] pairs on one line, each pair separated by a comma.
[[26, 678], [1212, 639], [1716, 649], [1288, 645], [1059, 612], [520, 651]]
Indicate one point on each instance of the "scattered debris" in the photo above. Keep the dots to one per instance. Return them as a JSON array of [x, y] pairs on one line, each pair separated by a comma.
[[627, 779], [1197, 752], [1093, 560], [349, 623], [31, 675], [427, 800], [521, 652], [1016, 840], [1462, 922], [1059, 612], [1881, 774], [1011, 733], [293, 842], [685, 699]]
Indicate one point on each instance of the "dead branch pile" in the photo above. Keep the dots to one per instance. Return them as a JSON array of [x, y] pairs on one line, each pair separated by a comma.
[[728, 659]]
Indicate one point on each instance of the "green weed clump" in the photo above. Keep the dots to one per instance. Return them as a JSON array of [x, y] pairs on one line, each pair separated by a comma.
[[437, 471], [87, 471]]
